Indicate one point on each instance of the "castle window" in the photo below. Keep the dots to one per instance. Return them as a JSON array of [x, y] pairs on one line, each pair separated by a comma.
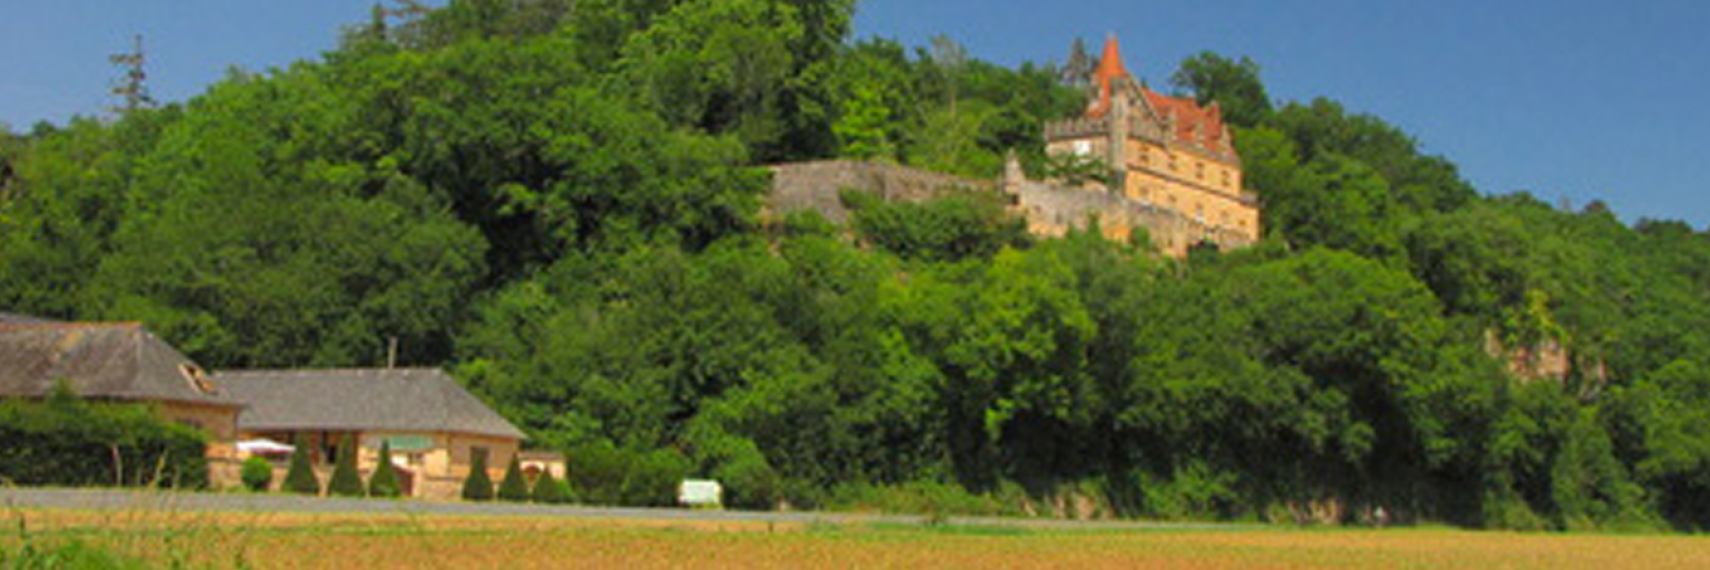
[[1199, 170], [1226, 179]]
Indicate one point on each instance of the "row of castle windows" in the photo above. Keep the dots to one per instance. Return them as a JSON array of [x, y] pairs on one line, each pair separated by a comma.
[[1225, 180], [1224, 218]]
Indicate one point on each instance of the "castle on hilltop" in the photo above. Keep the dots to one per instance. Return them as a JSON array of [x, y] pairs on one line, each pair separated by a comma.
[[1174, 172], [1163, 151]]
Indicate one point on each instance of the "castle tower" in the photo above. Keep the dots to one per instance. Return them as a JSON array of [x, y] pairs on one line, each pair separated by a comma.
[[1112, 103]]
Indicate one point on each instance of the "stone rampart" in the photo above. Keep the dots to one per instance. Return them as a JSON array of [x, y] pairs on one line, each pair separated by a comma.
[[1050, 209], [818, 185]]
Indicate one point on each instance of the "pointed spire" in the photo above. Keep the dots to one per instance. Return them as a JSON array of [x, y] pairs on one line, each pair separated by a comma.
[[1110, 63], [1110, 71]]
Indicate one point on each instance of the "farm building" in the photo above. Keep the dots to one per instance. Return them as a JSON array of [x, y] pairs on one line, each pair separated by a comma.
[[434, 427], [121, 362]]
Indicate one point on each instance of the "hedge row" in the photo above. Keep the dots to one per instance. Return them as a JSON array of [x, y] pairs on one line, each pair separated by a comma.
[[64, 441]]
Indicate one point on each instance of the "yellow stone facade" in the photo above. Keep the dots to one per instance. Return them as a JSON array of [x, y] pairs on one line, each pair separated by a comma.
[[435, 471]]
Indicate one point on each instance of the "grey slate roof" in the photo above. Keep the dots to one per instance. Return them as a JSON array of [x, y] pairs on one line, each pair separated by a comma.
[[398, 399], [121, 361]]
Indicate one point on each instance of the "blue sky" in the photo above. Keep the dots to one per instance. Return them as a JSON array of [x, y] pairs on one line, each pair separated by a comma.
[[1571, 100]]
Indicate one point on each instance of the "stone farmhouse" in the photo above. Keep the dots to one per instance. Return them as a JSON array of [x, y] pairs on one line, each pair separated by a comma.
[[432, 424], [121, 362], [1174, 173]]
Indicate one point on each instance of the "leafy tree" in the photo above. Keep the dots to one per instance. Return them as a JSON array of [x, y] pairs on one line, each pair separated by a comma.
[[718, 66], [300, 477], [1233, 86], [1417, 182], [346, 482], [861, 131], [1336, 202], [943, 229], [383, 482], [1657, 426]]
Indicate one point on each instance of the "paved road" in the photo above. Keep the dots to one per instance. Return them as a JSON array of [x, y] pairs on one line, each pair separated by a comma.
[[121, 500]]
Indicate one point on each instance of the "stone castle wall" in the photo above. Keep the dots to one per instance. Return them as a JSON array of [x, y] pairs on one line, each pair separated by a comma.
[[817, 185], [1050, 209]]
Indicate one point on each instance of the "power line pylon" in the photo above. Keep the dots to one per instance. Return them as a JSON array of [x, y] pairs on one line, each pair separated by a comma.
[[132, 86]]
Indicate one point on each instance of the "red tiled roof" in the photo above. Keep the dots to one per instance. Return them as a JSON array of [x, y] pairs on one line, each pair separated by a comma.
[[1194, 124]]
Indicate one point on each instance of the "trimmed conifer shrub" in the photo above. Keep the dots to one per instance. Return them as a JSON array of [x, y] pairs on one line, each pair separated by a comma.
[[478, 486], [300, 478], [384, 481], [514, 487], [346, 482], [548, 491], [257, 474]]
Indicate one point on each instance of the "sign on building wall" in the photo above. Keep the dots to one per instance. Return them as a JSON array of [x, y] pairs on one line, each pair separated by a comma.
[[400, 443]]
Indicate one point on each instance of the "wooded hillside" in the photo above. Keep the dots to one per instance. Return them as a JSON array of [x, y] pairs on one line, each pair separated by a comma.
[[562, 205]]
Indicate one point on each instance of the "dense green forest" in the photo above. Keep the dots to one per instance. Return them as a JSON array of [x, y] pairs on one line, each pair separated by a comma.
[[559, 200]]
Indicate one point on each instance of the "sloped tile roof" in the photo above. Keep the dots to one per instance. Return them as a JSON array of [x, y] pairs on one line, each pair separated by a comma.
[[121, 361], [398, 399], [1194, 124]]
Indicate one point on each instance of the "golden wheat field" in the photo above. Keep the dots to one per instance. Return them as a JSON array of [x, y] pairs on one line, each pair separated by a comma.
[[231, 540]]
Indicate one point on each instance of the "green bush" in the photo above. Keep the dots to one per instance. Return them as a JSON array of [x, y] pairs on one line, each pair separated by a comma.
[[549, 491], [384, 481], [749, 481], [1196, 492], [346, 481], [65, 441], [514, 487], [257, 474], [478, 486], [300, 478], [608, 475]]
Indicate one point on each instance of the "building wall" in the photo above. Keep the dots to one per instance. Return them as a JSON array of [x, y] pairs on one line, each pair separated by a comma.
[[1053, 210], [818, 185], [1197, 186], [447, 469], [220, 425], [439, 470]]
